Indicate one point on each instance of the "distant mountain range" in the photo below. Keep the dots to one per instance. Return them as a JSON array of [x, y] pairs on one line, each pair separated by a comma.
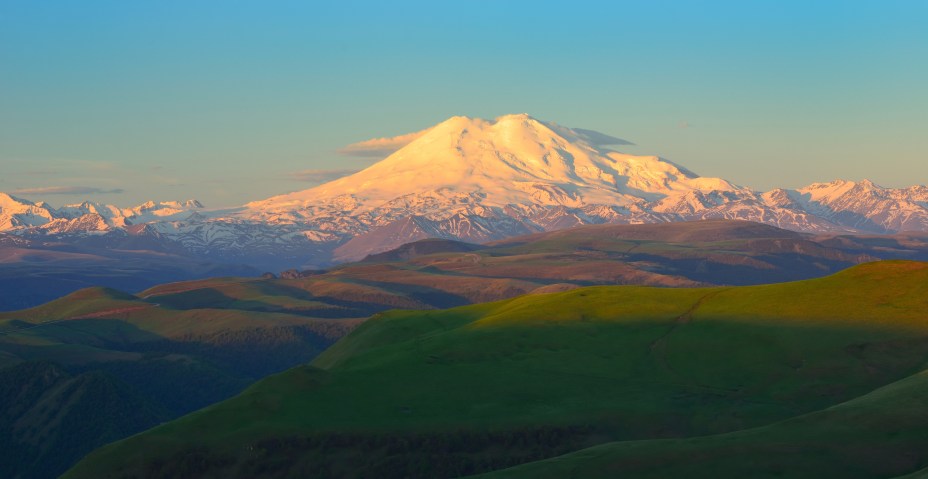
[[472, 180]]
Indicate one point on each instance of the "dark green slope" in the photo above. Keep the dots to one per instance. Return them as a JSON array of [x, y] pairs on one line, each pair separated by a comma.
[[173, 359], [485, 387], [881, 434], [921, 474], [51, 418]]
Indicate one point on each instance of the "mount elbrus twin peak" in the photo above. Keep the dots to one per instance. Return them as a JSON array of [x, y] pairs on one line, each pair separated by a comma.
[[473, 180]]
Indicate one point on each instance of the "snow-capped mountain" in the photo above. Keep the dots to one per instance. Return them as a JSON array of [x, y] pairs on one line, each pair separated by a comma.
[[515, 160], [866, 206], [476, 180], [17, 214]]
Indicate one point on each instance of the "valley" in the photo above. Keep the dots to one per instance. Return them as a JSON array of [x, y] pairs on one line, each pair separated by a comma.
[[178, 347]]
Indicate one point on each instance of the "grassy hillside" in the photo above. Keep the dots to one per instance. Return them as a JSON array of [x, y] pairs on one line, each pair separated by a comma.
[[51, 418], [172, 358], [485, 387], [880, 434]]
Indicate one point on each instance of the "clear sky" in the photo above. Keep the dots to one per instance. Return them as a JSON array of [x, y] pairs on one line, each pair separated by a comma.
[[226, 101]]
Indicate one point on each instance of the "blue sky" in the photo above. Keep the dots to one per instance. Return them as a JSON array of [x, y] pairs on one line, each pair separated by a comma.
[[223, 101]]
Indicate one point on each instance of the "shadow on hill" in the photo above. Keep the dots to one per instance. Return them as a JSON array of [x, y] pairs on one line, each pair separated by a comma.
[[426, 295], [50, 418], [200, 298], [170, 376], [782, 268], [342, 307], [327, 307]]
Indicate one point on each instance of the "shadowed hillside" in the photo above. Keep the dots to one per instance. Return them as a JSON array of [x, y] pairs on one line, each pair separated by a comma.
[[51, 418], [99, 365]]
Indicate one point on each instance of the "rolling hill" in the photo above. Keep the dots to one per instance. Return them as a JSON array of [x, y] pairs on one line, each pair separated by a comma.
[[210, 338], [50, 418], [651, 376], [437, 273], [711, 252], [35, 271], [143, 362]]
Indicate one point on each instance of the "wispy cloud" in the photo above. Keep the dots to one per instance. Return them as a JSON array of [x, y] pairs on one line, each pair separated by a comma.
[[68, 190], [596, 138], [321, 176], [380, 147]]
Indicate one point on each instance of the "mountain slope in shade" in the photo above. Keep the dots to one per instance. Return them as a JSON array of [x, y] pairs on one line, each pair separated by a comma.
[[49, 418], [123, 363], [474, 180]]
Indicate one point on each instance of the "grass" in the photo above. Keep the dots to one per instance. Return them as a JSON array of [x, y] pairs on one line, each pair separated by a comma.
[[880, 434], [484, 387], [76, 304], [176, 347]]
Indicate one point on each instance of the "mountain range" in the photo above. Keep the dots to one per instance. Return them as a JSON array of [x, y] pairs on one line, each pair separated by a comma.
[[472, 180]]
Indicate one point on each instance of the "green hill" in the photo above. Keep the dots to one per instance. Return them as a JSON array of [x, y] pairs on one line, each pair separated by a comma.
[[171, 358], [51, 418], [667, 371], [880, 434]]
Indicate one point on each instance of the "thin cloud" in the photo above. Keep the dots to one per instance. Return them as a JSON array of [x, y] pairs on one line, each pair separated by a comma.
[[596, 138], [380, 147], [320, 176], [68, 190]]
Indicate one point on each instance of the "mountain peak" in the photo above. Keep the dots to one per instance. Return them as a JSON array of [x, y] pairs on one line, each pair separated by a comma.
[[512, 160], [160, 205], [7, 200], [517, 118], [466, 124]]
